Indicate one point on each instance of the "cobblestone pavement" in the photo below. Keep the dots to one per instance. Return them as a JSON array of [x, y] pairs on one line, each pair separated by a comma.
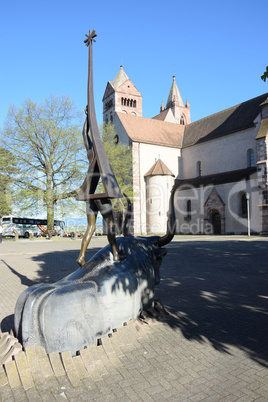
[[213, 346]]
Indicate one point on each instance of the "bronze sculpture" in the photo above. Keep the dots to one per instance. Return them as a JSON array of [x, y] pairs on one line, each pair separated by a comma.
[[96, 298], [99, 167], [106, 291]]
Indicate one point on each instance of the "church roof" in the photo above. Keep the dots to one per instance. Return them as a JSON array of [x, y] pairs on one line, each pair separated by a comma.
[[228, 121], [120, 78], [174, 95], [151, 131], [162, 115], [159, 169]]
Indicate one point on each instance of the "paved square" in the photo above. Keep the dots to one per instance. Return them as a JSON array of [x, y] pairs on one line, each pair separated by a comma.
[[212, 347]]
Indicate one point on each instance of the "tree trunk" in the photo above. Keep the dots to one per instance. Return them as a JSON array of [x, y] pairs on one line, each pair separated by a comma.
[[50, 207]]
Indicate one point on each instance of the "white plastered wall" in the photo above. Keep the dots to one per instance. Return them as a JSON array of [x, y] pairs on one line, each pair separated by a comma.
[[230, 194], [148, 155], [220, 155], [157, 196]]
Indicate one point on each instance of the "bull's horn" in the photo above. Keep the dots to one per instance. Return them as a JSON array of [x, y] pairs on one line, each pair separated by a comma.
[[171, 223], [126, 231]]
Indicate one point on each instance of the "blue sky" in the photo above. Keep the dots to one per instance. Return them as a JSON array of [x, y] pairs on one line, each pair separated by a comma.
[[217, 50]]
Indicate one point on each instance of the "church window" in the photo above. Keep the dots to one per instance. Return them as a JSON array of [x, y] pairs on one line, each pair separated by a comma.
[[109, 104], [188, 209], [244, 205], [250, 157], [128, 102], [111, 117], [106, 119], [182, 121], [199, 169]]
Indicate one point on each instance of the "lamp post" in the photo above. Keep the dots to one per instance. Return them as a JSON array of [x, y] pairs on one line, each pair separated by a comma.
[[248, 197]]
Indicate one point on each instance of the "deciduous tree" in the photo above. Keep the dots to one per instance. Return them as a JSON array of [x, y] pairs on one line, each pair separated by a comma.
[[265, 75], [120, 157], [7, 169], [47, 145]]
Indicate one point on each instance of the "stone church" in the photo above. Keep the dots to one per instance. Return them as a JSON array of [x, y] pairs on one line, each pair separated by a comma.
[[218, 164]]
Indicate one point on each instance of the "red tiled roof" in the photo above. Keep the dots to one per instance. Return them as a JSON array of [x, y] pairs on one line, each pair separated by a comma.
[[159, 169], [163, 133], [162, 115], [152, 131]]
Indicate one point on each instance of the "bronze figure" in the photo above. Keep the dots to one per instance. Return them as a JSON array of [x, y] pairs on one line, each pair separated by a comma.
[[104, 293], [99, 168]]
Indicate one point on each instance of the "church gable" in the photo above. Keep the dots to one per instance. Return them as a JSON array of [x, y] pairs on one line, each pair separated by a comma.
[[166, 115], [214, 214], [128, 88], [108, 91], [214, 200]]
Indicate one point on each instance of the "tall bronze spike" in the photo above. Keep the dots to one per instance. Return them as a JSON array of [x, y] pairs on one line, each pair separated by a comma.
[[99, 164], [99, 168]]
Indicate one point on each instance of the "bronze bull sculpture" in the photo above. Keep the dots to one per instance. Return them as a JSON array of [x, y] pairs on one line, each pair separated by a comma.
[[95, 299]]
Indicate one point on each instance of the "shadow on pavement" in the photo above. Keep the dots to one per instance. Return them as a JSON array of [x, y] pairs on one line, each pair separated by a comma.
[[53, 267], [218, 291], [24, 279]]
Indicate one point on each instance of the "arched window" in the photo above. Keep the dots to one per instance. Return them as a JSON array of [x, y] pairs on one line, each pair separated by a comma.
[[125, 101], [131, 103], [134, 103], [182, 121], [250, 157], [128, 102], [111, 117], [199, 169], [188, 209], [244, 204], [122, 101]]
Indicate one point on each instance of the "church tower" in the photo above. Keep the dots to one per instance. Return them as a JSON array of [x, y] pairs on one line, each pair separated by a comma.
[[122, 96], [180, 111], [175, 110]]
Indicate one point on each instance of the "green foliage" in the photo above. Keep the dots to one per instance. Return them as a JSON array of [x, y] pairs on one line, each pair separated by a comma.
[[265, 75], [120, 158], [46, 142], [7, 169]]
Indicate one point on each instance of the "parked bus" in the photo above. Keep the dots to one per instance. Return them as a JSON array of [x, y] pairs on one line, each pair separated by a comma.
[[25, 227]]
